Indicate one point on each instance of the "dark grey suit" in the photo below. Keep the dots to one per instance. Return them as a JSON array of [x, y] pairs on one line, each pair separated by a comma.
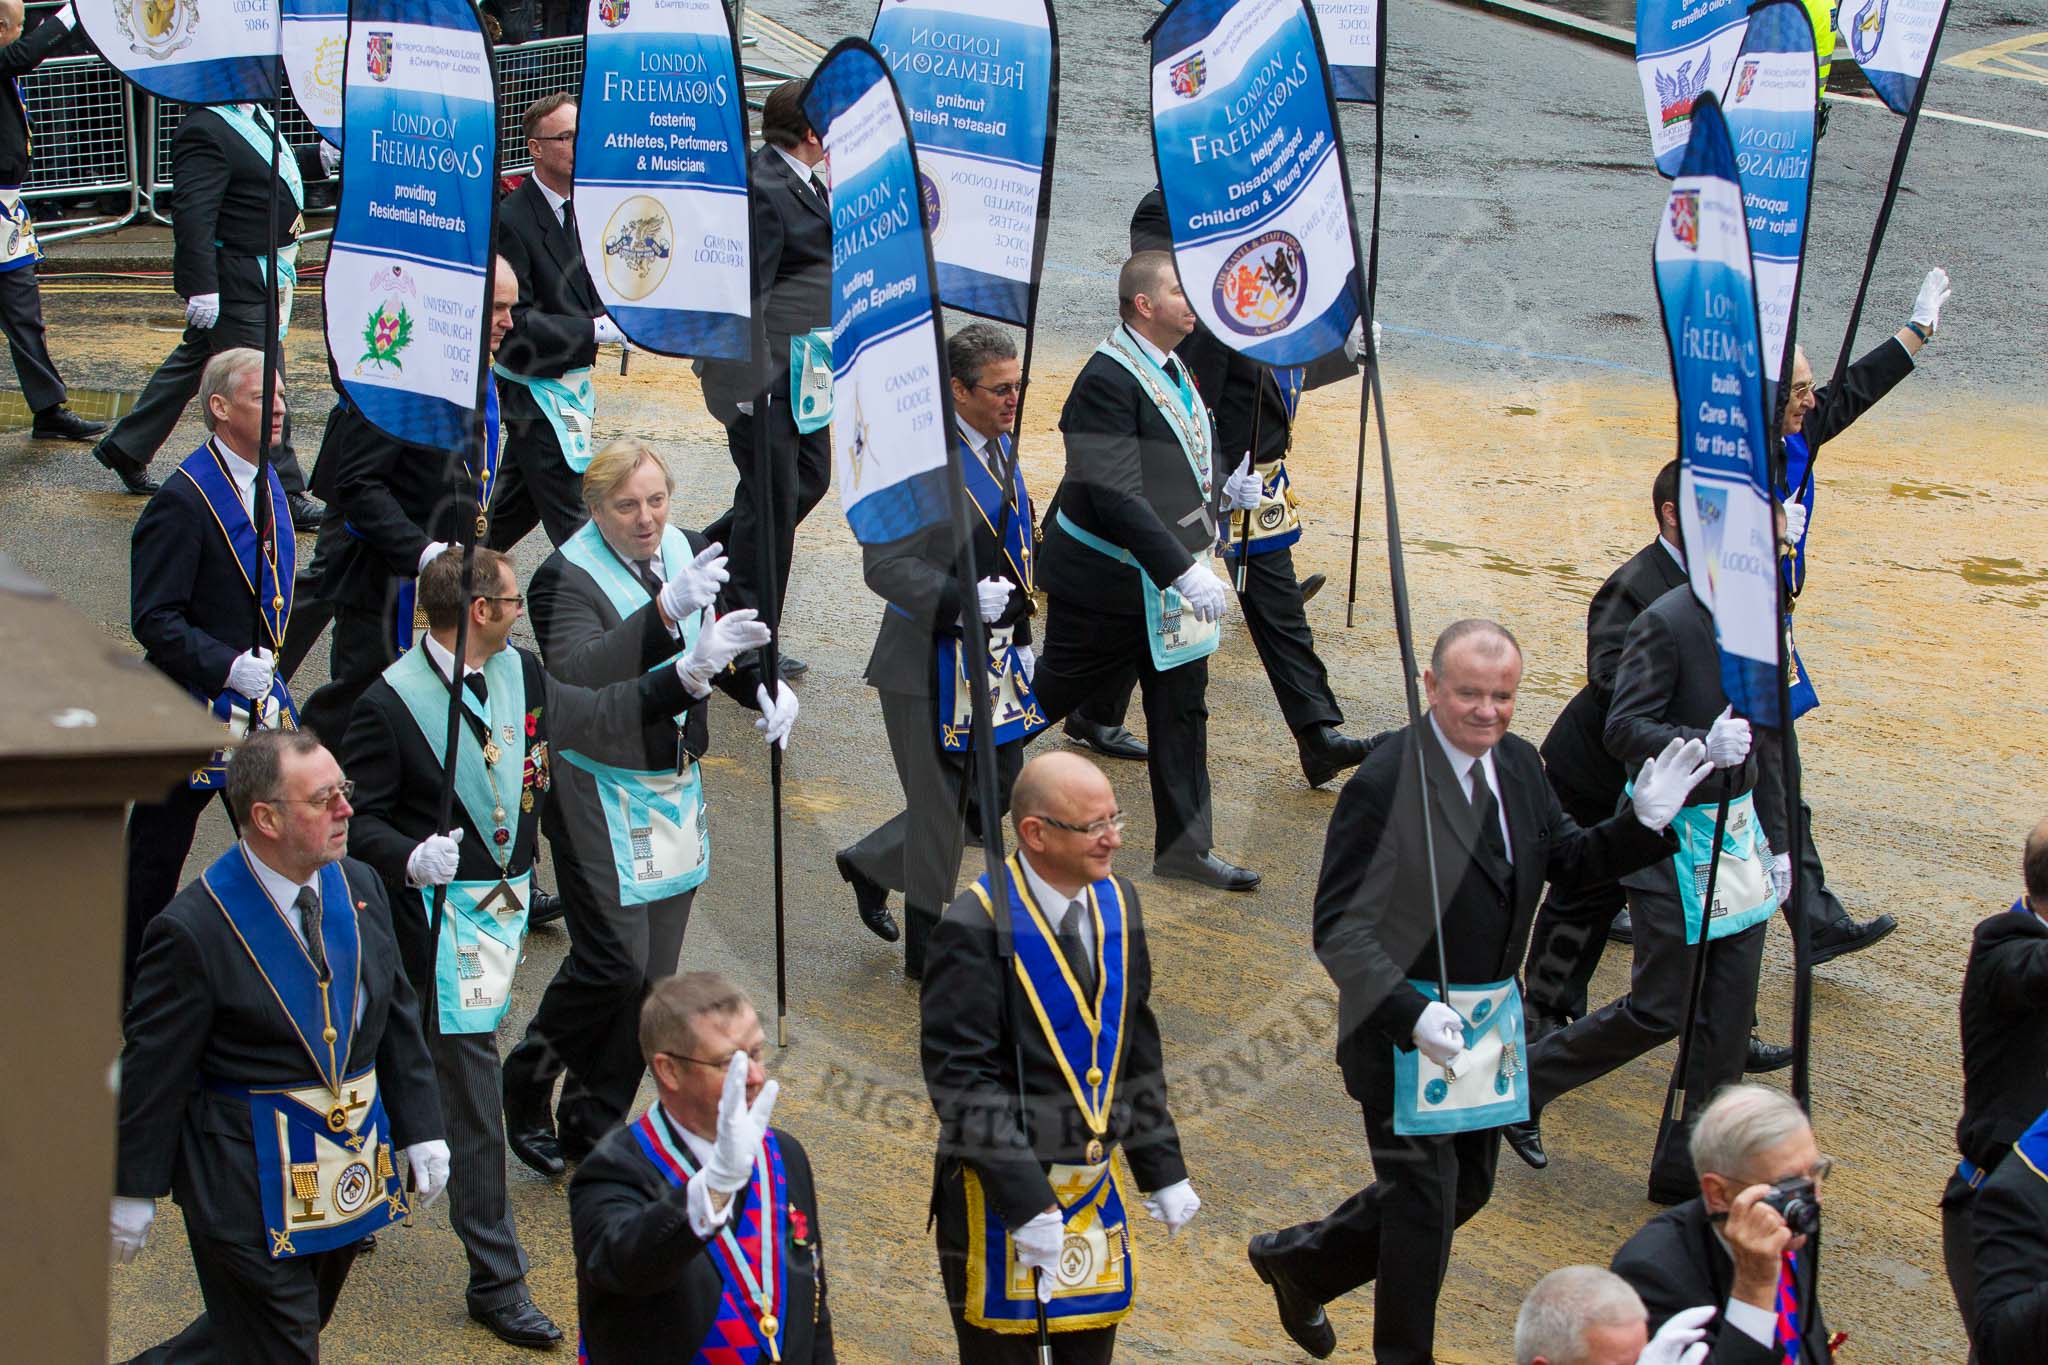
[[1675, 1262]]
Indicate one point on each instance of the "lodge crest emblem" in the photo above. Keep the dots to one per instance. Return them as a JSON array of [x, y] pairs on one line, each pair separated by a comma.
[[1866, 30], [1747, 80], [388, 328], [1685, 218], [157, 28], [377, 56], [1189, 75], [1677, 92], [1262, 284], [612, 13], [639, 244]]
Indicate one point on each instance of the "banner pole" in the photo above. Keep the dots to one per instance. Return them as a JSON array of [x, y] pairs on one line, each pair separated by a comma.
[[1244, 535], [262, 513], [1372, 287], [1675, 1091], [770, 606]]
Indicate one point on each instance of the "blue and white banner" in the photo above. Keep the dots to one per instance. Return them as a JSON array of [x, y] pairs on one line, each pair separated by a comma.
[[162, 47], [1684, 48], [1770, 102], [1351, 40], [978, 78], [892, 427], [1245, 136], [1893, 41], [1726, 511], [409, 266], [315, 50], [661, 176]]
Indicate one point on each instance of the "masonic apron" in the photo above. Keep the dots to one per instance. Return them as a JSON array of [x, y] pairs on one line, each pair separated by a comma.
[[569, 404], [1276, 521], [1013, 707], [257, 132]]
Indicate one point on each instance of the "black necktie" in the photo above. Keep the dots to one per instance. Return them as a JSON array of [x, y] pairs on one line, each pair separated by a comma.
[[309, 928], [643, 569], [1072, 947], [817, 187], [569, 223], [1172, 368], [1487, 809], [475, 683]]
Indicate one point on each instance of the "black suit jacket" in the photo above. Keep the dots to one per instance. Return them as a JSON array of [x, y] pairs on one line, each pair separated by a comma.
[[2005, 1035], [1835, 406], [2009, 1235], [1574, 749], [222, 194], [395, 499], [647, 1287], [792, 278], [398, 780], [1674, 1262], [585, 642], [17, 59], [552, 330], [970, 1071], [1373, 928], [201, 1011], [188, 604]]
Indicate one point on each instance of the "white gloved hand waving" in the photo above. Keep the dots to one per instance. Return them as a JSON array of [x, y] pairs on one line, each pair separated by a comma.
[[1933, 296], [1439, 1032], [428, 1162], [1682, 1340], [251, 673], [130, 1227], [695, 585], [1728, 739], [202, 310], [778, 717], [740, 1128], [723, 639], [1668, 779], [1038, 1248], [433, 863], [1203, 591], [1173, 1206], [1244, 489]]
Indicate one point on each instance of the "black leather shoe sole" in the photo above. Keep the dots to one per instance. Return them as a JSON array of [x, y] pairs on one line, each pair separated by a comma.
[[871, 900], [1831, 943], [519, 1324], [1323, 760], [133, 474], [1110, 743], [1312, 585], [537, 1149], [1305, 1323], [1527, 1141], [1764, 1057], [1621, 929], [70, 427], [546, 909]]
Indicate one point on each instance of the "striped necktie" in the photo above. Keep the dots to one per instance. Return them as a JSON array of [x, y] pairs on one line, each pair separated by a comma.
[[1787, 1334]]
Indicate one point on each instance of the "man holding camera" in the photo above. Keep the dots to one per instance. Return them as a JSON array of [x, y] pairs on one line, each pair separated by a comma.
[[1746, 1243]]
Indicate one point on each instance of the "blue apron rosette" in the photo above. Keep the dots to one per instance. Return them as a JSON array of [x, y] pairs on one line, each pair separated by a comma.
[[1744, 894], [570, 406], [1097, 1274], [810, 380], [1490, 1084], [660, 837], [324, 1165]]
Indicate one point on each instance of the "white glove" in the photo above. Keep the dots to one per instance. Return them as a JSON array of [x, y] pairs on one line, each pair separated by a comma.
[[723, 639], [330, 157], [430, 554], [1682, 1340], [1728, 739], [1038, 1248], [1354, 345], [251, 673], [1439, 1033], [695, 586], [1934, 292], [202, 310], [1668, 779], [778, 717], [607, 330], [1781, 876], [993, 595], [131, 1221], [1203, 590], [740, 1129], [1243, 490], [434, 862], [428, 1162], [1795, 522], [1173, 1206], [66, 16], [1028, 662]]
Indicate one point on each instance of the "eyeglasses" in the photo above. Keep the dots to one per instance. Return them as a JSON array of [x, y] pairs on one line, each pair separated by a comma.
[[569, 136], [756, 1054], [1095, 829], [343, 790], [1013, 389], [1802, 391], [518, 597]]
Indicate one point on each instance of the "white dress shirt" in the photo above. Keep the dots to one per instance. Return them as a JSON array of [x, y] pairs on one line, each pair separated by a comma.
[[1462, 764], [443, 658], [242, 472], [555, 201], [1158, 356], [1055, 904], [807, 174]]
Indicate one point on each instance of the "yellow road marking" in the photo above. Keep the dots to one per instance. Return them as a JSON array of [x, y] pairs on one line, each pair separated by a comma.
[[2024, 59]]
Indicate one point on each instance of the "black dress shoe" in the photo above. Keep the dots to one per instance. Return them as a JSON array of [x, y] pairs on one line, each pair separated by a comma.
[[1846, 936], [59, 423], [791, 667], [1540, 1024], [1765, 1057], [1621, 929], [1312, 585], [1206, 868], [1527, 1140], [1300, 1315], [545, 909], [871, 898], [306, 513], [519, 1324], [1111, 741], [1327, 751], [575, 1144], [530, 1129], [133, 474]]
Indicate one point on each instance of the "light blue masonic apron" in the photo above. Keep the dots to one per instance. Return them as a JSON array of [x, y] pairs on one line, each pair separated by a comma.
[[257, 135], [569, 404]]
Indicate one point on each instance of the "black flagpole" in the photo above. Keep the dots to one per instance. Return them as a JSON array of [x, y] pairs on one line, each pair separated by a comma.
[[1675, 1090], [770, 607], [262, 514], [1372, 294]]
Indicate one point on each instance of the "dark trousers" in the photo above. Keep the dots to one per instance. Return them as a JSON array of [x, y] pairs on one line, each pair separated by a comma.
[[587, 1025], [1958, 1252], [1652, 1014], [258, 1311], [365, 644], [1570, 932], [536, 487], [1424, 1188], [140, 434], [917, 850], [473, 1103], [159, 836], [1086, 651], [1089, 1346], [21, 317], [801, 471]]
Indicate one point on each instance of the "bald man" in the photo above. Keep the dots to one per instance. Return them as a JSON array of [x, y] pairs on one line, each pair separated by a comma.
[[1033, 1197]]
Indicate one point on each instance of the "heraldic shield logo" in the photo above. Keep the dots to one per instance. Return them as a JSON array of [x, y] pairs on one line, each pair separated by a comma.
[[377, 56], [612, 13], [1263, 284], [387, 331], [1747, 80], [1867, 29], [157, 28], [1685, 218], [1189, 75], [639, 244]]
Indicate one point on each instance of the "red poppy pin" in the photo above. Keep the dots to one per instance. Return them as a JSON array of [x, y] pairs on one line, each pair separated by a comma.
[[799, 1226]]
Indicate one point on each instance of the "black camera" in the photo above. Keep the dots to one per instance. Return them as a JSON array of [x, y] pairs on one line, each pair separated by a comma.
[[1798, 1203]]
